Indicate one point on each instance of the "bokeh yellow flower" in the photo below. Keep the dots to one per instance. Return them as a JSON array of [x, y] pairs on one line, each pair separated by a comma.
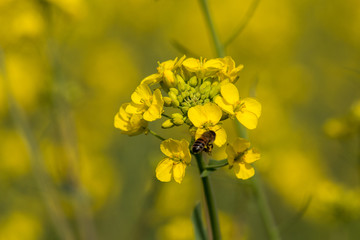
[[144, 102], [203, 68], [129, 124], [229, 71], [205, 118], [174, 164], [240, 156], [247, 110]]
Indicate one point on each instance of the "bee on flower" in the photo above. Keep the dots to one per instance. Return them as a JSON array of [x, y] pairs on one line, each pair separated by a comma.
[[199, 93]]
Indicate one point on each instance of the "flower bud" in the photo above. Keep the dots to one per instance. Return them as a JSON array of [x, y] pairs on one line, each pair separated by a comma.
[[177, 119], [214, 91], [167, 124], [174, 90], [169, 78], [175, 103], [203, 86], [173, 96], [180, 98], [181, 83], [167, 101], [193, 81], [185, 108]]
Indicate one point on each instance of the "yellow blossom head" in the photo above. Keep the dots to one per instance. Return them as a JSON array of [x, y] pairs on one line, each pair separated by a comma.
[[202, 67], [229, 71], [205, 118], [174, 164], [247, 110], [129, 124], [240, 157], [144, 102]]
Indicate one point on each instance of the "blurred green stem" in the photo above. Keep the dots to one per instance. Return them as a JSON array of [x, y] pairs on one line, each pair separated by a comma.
[[156, 135], [218, 46], [214, 228], [260, 196], [248, 15]]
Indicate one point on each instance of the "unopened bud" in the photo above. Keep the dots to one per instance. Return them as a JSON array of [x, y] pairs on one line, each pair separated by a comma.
[[177, 119], [214, 90], [175, 103], [193, 81], [167, 124], [174, 90], [167, 101], [172, 95], [181, 83]]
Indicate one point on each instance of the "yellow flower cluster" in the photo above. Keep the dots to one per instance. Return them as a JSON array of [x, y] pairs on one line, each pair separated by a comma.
[[204, 94]]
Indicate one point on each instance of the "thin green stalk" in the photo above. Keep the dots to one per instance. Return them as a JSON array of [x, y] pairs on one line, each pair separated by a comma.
[[210, 201], [264, 208], [218, 46], [250, 12], [261, 199], [156, 135]]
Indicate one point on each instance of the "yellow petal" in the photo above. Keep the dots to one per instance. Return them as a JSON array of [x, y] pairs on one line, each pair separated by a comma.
[[171, 148], [186, 156], [220, 135], [169, 79], [142, 93], [179, 172], [251, 156], [119, 122], [134, 108], [231, 154], [230, 93], [219, 153], [197, 116], [248, 119], [241, 145], [212, 112], [152, 79], [164, 170], [224, 105], [191, 64], [252, 105], [243, 170], [156, 108]]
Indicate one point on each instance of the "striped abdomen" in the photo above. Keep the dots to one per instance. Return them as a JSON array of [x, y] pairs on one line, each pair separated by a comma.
[[204, 142]]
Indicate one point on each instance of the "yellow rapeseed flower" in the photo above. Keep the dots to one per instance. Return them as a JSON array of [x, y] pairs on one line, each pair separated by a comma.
[[240, 156], [229, 71], [146, 103], [247, 110], [202, 67], [174, 164], [205, 118], [166, 73], [129, 124]]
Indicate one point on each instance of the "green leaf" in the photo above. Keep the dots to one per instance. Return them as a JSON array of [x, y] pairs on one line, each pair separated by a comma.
[[198, 224], [207, 172], [213, 164]]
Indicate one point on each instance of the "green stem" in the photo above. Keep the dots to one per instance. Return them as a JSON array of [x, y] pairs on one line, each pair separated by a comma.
[[218, 46], [210, 201], [264, 209], [261, 199], [244, 22], [156, 135]]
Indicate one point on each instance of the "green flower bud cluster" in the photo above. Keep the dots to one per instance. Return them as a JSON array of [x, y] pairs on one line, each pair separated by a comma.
[[176, 119], [191, 91]]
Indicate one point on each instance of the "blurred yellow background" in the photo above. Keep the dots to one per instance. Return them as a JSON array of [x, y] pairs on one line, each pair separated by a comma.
[[70, 64]]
